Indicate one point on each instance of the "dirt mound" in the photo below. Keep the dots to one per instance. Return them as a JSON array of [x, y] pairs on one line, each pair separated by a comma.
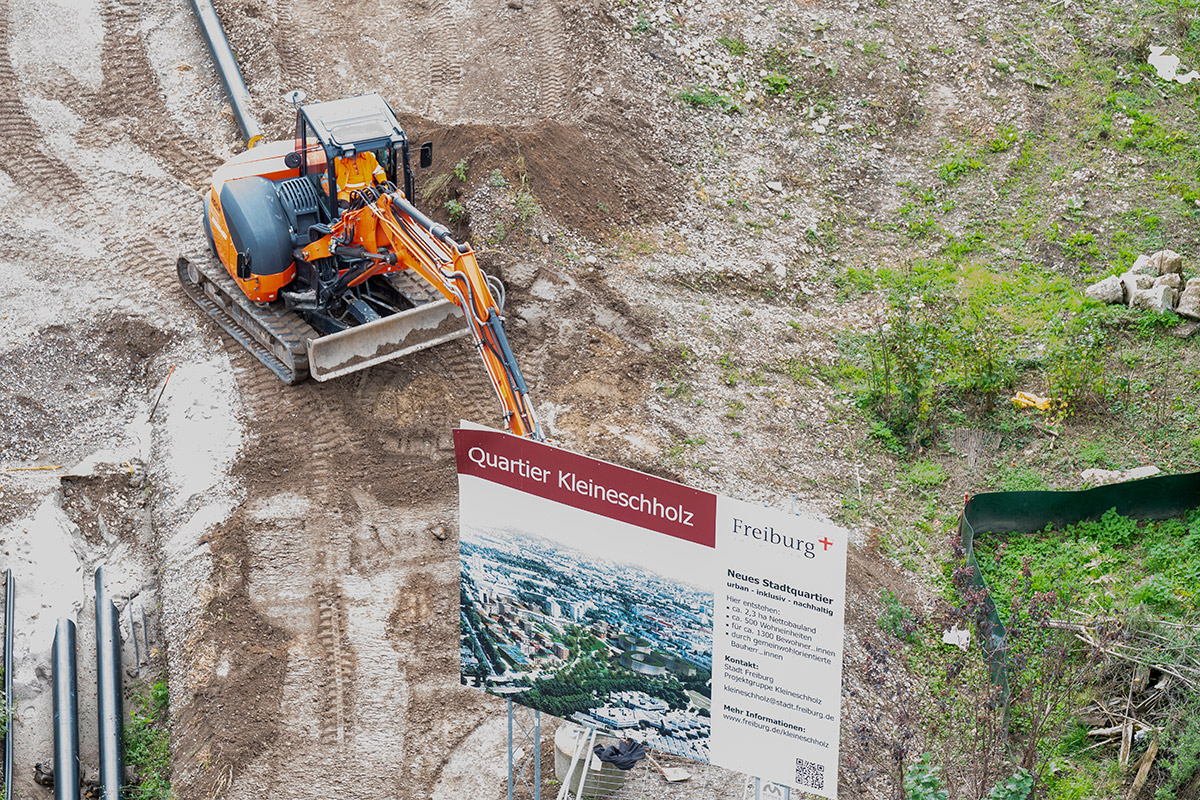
[[588, 181]]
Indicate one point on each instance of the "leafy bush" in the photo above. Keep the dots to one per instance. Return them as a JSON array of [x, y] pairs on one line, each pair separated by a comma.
[[1017, 787], [1074, 363], [777, 83], [922, 781]]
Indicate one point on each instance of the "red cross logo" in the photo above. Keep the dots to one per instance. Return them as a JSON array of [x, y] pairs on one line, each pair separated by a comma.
[[825, 542]]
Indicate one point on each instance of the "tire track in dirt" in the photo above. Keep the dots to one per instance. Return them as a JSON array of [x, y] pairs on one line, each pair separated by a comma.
[[131, 89], [338, 681], [300, 427], [445, 61], [456, 365], [296, 68], [20, 142], [547, 25], [321, 430]]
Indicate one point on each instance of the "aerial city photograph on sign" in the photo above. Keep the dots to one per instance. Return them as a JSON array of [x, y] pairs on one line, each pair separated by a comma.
[[603, 642]]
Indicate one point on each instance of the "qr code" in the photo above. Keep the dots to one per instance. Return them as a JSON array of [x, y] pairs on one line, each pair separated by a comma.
[[810, 774]]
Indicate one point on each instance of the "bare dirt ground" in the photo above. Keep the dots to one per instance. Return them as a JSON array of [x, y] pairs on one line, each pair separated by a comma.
[[672, 300]]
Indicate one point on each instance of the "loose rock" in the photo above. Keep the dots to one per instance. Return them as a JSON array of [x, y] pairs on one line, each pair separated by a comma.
[[1100, 477], [1143, 265], [1156, 298], [1108, 290], [1189, 301], [1165, 261], [1174, 282], [1132, 282], [1172, 279]]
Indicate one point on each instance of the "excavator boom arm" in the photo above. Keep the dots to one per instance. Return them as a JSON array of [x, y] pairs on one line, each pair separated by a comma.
[[427, 248]]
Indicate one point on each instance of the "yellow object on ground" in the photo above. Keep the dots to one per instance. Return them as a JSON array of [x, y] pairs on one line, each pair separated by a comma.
[[1026, 400]]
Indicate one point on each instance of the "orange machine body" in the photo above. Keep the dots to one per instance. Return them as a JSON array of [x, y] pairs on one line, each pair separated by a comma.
[[283, 238]]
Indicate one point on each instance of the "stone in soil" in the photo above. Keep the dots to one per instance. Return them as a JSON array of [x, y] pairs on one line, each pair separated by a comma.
[[1165, 261], [1189, 301], [1108, 290]]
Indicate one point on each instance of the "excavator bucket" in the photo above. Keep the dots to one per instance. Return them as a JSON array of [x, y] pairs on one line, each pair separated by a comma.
[[394, 336]]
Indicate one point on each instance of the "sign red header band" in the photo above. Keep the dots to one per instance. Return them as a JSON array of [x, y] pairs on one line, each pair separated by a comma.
[[588, 484]]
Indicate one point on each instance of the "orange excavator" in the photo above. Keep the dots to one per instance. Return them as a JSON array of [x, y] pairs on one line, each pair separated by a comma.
[[323, 266]]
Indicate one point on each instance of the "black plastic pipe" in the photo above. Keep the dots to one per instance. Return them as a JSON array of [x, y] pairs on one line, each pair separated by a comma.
[[10, 594], [66, 713], [227, 69], [110, 710]]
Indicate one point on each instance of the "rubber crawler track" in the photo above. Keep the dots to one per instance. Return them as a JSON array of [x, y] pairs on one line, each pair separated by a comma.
[[275, 337]]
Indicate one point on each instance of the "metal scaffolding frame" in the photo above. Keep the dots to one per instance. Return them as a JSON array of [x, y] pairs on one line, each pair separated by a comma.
[[765, 790], [522, 732]]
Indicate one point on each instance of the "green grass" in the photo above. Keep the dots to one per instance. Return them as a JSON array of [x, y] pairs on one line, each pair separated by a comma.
[[1114, 564], [147, 747], [958, 166], [733, 45], [700, 97], [924, 474], [1021, 479]]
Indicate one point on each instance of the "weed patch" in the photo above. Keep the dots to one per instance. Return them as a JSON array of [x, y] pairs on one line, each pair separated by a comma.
[[699, 97], [147, 748]]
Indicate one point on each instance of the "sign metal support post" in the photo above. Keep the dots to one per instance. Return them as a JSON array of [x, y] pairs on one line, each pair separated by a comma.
[[530, 732]]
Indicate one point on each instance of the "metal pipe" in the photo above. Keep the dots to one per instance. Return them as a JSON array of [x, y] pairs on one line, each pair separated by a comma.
[[10, 593], [137, 655], [66, 713], [227, 69], [110, 710]]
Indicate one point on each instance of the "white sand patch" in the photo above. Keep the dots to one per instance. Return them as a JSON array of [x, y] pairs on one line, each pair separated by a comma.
[[201, 431], [36, 55]]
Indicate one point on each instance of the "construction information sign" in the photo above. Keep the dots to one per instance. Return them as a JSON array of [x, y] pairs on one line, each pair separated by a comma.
[[699, 625]]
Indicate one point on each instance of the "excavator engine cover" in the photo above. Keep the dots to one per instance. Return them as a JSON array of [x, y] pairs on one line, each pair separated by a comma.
[[258, 225]]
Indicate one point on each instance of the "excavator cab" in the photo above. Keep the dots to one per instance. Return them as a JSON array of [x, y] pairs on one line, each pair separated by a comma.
[[343, 129]]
